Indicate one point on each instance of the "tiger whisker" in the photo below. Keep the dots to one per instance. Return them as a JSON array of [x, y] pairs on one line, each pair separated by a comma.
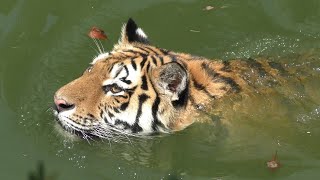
[[120, 134], [85, 136], [49, 110], [101, 45], [95, 50], [97, 44], [108, 133]]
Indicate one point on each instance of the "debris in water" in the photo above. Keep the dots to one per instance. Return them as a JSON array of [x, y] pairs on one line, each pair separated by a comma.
[[274, 162], [208, 8], [96, 33], [196, 31]]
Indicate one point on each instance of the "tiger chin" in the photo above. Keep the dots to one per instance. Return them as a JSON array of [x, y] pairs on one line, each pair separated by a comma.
[[140, 89]]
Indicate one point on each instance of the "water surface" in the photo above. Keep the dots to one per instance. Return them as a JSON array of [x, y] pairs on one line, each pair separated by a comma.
[[43, 45]]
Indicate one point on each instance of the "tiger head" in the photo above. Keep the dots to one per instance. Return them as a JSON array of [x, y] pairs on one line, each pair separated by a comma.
[[134, 89]]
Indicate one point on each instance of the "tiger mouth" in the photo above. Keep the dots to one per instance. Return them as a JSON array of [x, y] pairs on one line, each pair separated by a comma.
[[82, 133], [99, 131]]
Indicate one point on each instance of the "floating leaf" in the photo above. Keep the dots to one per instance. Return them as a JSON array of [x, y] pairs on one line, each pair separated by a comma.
[[96, 33], [274, 162], [208, 8]]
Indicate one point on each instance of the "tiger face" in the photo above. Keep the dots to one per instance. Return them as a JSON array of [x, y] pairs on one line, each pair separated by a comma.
[[134, 89]]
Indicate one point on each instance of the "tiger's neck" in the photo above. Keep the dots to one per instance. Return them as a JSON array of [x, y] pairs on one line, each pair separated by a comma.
[[209, 80]]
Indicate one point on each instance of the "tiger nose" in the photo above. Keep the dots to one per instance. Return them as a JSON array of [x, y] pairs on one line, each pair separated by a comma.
[[62, 105]]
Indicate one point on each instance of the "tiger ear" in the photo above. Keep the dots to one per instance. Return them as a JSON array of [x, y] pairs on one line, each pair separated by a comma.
[[132, 33], [172, 80]]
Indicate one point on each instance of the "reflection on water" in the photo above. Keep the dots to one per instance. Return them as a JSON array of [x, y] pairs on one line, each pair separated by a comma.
[[8, 21], [287, 14]]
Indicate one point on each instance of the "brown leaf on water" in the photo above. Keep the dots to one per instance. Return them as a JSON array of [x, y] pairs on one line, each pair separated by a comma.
[[96, 33], [274, 163]]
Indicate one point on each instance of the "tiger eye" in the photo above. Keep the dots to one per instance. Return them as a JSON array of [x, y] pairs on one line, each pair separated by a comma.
[[115, 89]]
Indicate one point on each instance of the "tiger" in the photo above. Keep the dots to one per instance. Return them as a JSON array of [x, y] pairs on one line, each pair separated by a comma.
[[140, 89]]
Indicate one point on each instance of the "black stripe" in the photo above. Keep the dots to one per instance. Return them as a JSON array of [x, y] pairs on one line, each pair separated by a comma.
[[143, 61], [127, 71], [257, 65], [135, 52], [101, 113], [123, 54], [134, 65], [155, 108], [228, 80], [201, 87], [148, 67], [163, 51], [90, 115], [226, 66], [125, 81], [161, 60], [136, 128], [131, 51], [115, 109], [118, 73], [105, 120], [144, 84], [112, 66], [197, 85], [216, 77], [150, 49], [279, 67], [183, 64], [154, 60], [209, 71], [124, 106], [110, 114], [125, 124], [131, 91], [105, 107], [143, 49]]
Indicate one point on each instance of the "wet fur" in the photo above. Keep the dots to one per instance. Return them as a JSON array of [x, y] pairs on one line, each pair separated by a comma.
[[170, 93]]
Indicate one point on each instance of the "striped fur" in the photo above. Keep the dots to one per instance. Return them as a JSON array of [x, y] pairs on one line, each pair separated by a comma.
[[138, 88]]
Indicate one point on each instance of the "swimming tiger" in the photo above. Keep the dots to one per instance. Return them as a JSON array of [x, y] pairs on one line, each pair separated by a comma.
[[138, 88]]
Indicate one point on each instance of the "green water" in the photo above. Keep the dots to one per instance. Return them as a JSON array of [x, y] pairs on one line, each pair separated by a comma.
[[43, 45]]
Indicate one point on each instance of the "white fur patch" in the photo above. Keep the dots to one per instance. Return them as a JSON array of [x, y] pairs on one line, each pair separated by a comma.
[[100, 57], [145, 120], [120, 70], [64, 119], [115, 69], [140, 32]]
